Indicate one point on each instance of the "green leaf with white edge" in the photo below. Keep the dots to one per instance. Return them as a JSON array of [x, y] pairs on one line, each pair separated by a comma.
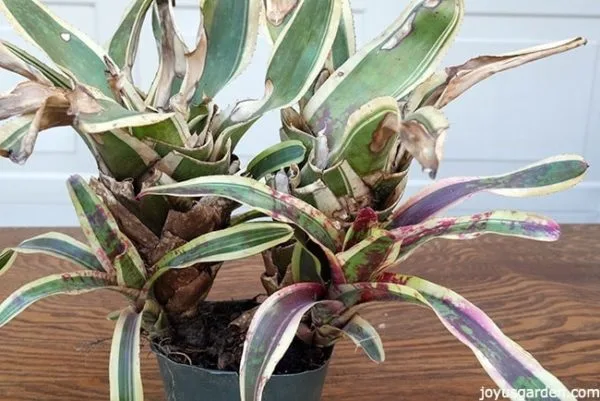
[[545, 177], [344, 45], [393, 64], [278, 13], [306, 267], [245, 217], [7, 258], [55, 77], [124, 368], [499, 222], [12, 133], [60, 246], [64, 283], [231, 243], [511, 367], [70, 49], [279, 206], [297, 59], [271, 332], [369, 136], [112, 248], [230, 45], [366, 337], [11, 62], [276, 157], [124, 43], [422, 134]]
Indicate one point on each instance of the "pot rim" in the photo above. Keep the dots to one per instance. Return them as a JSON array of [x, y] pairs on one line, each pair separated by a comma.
[[160, 354]]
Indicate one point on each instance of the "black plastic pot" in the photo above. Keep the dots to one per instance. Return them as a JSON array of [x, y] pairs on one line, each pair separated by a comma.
[[192, 383]]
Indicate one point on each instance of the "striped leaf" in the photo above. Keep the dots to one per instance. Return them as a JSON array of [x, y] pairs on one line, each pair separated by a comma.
[[231, 243], [368, 137], [509, 365], [124, 369], [53, 76], [112, 248], [363, 259], [12, 134], [69, 48], [279, 206], [230, 45], [7, 258], [306, 267], [64, 283], [60, 246], [297, 58], [344, 45], [270, 334], [364, 335], [393, 64], [124, 43], [545, 177], [501, 222], [276, 157], [422, 134], [459, 79]]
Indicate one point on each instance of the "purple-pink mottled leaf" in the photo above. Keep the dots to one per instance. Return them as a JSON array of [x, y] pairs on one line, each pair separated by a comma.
[[509, 365], [545, 177], [365, 220], [270, 334], [500, 222]]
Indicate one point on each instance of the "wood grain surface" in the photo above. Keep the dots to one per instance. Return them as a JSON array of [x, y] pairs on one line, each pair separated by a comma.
[[546, 296]]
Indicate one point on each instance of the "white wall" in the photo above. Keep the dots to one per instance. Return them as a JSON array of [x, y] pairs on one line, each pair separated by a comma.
[[542, 109]]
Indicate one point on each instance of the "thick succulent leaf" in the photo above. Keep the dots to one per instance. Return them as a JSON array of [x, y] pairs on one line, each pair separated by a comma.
[[231, 243], [297, 59], [306, 267], [230, 45], [364, 335], [393, 64], [509, 365], [422, 134], [276, 157], [363, 259], [124, 369], [277, 205], [501, 222], [53, 244], [270, 334], [545, 177], [369, 136], [69, 48], [112, 248], [463, 77], [53, 76], [65, 283], [124, 43]]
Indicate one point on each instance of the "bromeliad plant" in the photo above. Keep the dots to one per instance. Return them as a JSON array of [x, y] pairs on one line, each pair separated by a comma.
[[158, 219]]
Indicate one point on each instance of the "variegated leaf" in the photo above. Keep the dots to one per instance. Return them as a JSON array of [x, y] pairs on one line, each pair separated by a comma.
[[124, 368], [365, 221], [124, 43], [53, 76], [65, 45], [258, 196], [545, 177], [365, 336], [112, 248], [393, 64], [368, 137], [276, 157], [230, 45], [344, 45], [306, 267], [65, 283], [500, 222], [316, 22], [57, 245], [509, 365], [271, 332]]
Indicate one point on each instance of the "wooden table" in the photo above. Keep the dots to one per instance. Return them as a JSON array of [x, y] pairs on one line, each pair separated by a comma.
[[546, 296]]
